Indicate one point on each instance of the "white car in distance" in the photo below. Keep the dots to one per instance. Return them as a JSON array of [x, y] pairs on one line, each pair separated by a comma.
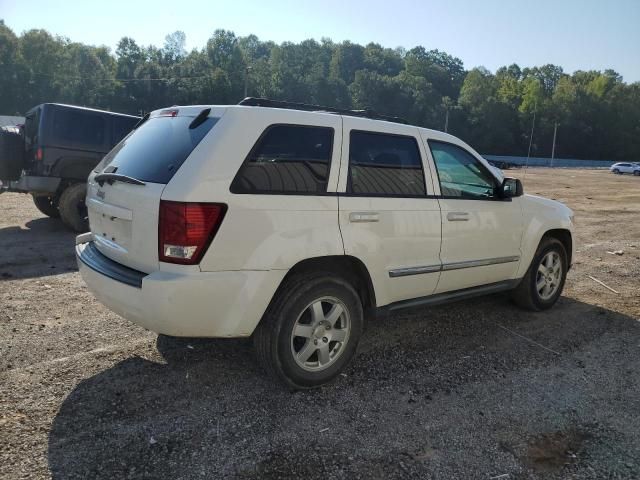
[[625, 167]]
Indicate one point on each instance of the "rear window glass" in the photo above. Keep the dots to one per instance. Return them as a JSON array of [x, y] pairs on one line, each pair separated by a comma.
[[76, 128], [157, 149], [291, 159], [385, 165]]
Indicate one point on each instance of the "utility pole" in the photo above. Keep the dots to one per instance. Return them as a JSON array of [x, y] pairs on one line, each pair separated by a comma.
[[246, 80], [533, 126], [553, 148], [447, 103], [446, 120]]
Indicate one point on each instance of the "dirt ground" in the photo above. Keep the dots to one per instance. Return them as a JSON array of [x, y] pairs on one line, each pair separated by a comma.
[[477, 389]]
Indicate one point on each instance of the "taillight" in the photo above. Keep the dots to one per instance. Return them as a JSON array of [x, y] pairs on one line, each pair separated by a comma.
[[39, 154], [186, 229]]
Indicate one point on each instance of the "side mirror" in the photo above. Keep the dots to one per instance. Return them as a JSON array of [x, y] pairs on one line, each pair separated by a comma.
[[511, 187]]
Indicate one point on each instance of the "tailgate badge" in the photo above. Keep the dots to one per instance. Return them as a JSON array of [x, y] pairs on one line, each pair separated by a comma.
[[100, 194]]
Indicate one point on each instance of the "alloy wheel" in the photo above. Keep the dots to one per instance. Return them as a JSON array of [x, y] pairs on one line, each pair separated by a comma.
[[320, 334], [549, 275]]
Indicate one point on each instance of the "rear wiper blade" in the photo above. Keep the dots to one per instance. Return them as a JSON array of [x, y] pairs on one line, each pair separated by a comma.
[[116, 177], [200, 119]]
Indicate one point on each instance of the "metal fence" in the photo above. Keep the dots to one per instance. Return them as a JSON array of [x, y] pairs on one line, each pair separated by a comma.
[[548, 162]]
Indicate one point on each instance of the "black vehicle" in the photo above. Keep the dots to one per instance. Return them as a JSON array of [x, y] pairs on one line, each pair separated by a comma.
[[500, 164], [54, 153]]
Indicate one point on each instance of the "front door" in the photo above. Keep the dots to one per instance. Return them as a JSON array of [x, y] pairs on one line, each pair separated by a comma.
[[481, 233]]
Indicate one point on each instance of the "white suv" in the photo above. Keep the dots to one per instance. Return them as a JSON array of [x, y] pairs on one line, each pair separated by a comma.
[[292, 223], [625, 167]]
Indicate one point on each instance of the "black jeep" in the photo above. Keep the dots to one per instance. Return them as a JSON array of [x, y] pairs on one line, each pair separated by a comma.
[[53, 154]]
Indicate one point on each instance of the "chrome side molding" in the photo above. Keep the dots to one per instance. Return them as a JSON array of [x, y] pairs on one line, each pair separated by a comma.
[[403, 272], [480, 263]]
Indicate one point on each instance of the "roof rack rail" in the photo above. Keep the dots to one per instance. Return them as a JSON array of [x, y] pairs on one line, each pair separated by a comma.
[[265, 102]]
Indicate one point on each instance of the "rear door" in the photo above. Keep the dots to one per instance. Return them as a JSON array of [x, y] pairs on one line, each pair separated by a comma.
[[124, 191], [388, 216], [481, 233]]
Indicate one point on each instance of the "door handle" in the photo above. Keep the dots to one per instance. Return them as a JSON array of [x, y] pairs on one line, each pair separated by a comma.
[[458, 216], [362, 217]]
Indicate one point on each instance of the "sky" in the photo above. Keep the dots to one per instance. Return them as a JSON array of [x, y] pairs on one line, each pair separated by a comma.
[[575, 34]]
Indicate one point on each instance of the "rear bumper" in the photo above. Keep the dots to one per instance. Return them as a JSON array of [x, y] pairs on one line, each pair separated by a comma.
[[203, 304], [34, 184]]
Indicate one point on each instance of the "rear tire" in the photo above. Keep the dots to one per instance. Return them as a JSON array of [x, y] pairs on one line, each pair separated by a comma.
[[542, 285], [310, 331], [46, 205], [636, 173], [73, 210]]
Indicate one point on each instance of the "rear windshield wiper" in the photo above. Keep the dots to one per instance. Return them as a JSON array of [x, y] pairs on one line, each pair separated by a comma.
[[200, 119], [116, 177]]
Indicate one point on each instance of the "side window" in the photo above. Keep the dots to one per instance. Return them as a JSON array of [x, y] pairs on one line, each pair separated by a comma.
[[32, 125], [461, 174], [291, 159], [382, 164], [78, 128]]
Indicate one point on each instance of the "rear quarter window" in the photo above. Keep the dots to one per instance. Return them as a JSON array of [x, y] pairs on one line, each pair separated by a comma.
[[287, 159], [79, 129], [31, 128]]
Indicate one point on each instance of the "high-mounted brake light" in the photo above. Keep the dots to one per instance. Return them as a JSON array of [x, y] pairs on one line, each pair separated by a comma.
[[186, 229], [168, 113]]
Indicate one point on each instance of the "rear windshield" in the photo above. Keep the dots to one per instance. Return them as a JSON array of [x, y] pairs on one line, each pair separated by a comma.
[[156, 149]]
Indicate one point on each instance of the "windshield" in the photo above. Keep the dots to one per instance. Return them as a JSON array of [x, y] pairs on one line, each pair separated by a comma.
[[155, 151]]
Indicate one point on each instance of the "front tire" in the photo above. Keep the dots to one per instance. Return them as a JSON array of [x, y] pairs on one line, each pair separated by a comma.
[[311, 330], [542, 285], [616, 171], [72, 207], [46, 205]]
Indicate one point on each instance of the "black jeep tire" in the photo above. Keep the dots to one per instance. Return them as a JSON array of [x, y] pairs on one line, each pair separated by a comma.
[[47, 205], [327, 313], [530, 293], [73, 210]]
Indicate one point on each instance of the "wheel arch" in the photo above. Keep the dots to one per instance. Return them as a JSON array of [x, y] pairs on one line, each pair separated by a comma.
[[535, 235], [564, 236], [348, 267]]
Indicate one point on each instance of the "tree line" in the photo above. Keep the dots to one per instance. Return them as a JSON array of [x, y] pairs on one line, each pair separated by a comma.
[[596, 113]]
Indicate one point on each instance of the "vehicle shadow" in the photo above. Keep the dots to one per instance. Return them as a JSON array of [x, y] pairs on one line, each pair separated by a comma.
[[468, 387], [45, 247]]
